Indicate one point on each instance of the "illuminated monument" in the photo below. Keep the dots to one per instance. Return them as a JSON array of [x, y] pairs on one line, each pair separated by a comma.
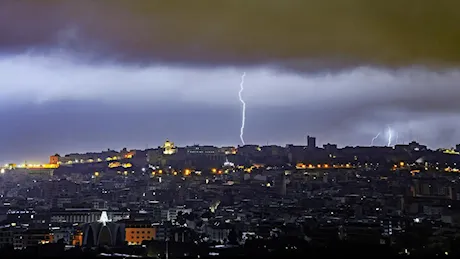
[[103, 233], [228, 164], [168, 148]]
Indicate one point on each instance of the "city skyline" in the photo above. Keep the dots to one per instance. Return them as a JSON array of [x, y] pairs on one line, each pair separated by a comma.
[[319, 145], [120, 75]]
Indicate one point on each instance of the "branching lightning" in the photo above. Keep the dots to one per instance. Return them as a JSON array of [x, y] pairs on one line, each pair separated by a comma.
[[391, 134], [375, 137], [243, 116]]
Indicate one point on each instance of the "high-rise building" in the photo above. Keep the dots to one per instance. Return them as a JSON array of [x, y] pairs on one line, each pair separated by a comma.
[[311, 142]]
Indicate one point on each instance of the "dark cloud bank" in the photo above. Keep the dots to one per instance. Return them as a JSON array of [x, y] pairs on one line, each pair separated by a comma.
[[289, 32]]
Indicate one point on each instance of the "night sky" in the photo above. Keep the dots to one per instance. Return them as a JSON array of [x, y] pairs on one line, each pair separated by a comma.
[[79, 76]]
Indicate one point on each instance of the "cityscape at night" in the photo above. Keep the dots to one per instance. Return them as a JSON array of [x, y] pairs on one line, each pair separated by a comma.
[[249, 200], [229, 129]]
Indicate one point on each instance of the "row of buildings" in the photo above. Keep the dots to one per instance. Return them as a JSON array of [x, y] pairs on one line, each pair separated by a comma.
[[206, 157]]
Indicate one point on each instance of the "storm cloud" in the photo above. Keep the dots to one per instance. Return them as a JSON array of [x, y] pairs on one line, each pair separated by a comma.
[[290, 32], [89, 75]]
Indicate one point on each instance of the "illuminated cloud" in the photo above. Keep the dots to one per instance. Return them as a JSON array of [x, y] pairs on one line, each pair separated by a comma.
[[38, 79], [89, 75]]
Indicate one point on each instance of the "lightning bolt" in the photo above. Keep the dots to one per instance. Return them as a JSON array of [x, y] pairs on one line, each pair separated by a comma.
[[375, 137], [390, 135], [243, 116]]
